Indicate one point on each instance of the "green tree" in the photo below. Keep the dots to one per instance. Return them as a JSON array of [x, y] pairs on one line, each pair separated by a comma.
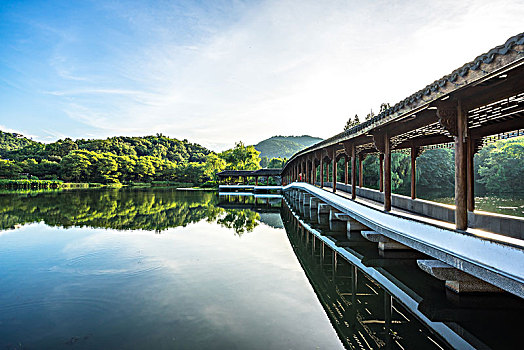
[[213, 165], [276, 163], [144, 169], [264, 161], [241, 157], [9, 169], [76, 166], [501, 166]]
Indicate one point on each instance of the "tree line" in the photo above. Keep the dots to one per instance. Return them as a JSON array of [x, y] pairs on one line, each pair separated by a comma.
[[122, 160]]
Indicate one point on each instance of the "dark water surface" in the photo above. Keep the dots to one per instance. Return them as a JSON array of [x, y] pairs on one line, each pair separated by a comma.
[[167, 269]]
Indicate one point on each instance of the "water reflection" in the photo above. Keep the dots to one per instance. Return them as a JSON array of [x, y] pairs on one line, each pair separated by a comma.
[[193, 287], [130, 209], [378, 299]]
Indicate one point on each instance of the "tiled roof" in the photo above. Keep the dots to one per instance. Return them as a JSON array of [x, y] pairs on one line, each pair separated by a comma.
[[428, 92]]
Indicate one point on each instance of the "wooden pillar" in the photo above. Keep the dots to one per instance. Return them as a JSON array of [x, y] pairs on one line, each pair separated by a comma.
[[387, 173], [334, 175], [267, 180], [471, 174], [346, 165], [360, 171], [381, 172], [353, 173], [461, 213], [256, 180], [414, 151], [313, 172], [307, 171], [321, 172]]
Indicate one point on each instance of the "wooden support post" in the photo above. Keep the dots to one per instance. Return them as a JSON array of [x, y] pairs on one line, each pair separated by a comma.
[[321, 172], [471, 174], [387, 173], [381, 172], [256, 180], [313, 172], [353, 172], [334, 175], [413, 172], [461, 213], [267, 180], [346, 168], [360, 171]]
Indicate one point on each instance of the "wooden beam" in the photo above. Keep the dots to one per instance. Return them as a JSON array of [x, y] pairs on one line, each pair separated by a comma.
[[471, 174], [346, 174], [425, 141], [387, 173], [360, 171], [461, 213], [497, 128], [353, 172], [414, 152], [381, 172], [321, 172], [334, 176], [493, 90]]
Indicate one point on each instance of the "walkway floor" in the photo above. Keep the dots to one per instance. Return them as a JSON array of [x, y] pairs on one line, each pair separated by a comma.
[[418, 217]]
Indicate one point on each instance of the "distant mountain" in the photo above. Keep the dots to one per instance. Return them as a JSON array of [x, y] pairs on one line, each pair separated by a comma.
[[284, 146]]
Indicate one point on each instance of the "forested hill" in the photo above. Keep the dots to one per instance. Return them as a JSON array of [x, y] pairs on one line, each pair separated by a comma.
[[120, 160], [12, 141], [284, 146], [16, 147]]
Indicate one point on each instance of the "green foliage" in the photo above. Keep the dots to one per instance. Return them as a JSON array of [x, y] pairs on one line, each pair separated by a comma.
[[9, 169], [214, 164], [158, 146], [436, 172], [284, 146], [241, 157], [276, 163], [12, 142], [111, 161], [501, 166]]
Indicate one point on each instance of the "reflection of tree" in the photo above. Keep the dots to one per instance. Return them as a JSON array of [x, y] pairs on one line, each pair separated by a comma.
[[124, 209], [241, 220]]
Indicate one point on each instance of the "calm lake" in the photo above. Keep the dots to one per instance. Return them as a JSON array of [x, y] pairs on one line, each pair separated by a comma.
[[168, 269]]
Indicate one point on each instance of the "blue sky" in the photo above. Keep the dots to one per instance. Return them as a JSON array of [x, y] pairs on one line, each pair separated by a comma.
[[216, 72]]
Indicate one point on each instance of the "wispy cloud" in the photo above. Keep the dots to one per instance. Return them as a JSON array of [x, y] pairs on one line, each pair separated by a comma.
[[223, 72]]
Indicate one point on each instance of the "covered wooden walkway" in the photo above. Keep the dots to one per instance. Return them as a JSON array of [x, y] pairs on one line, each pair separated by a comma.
[[475, 104]]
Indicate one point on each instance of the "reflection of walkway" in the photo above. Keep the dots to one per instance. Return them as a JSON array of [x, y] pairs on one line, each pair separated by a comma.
[[488, 257], [377, 300]]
